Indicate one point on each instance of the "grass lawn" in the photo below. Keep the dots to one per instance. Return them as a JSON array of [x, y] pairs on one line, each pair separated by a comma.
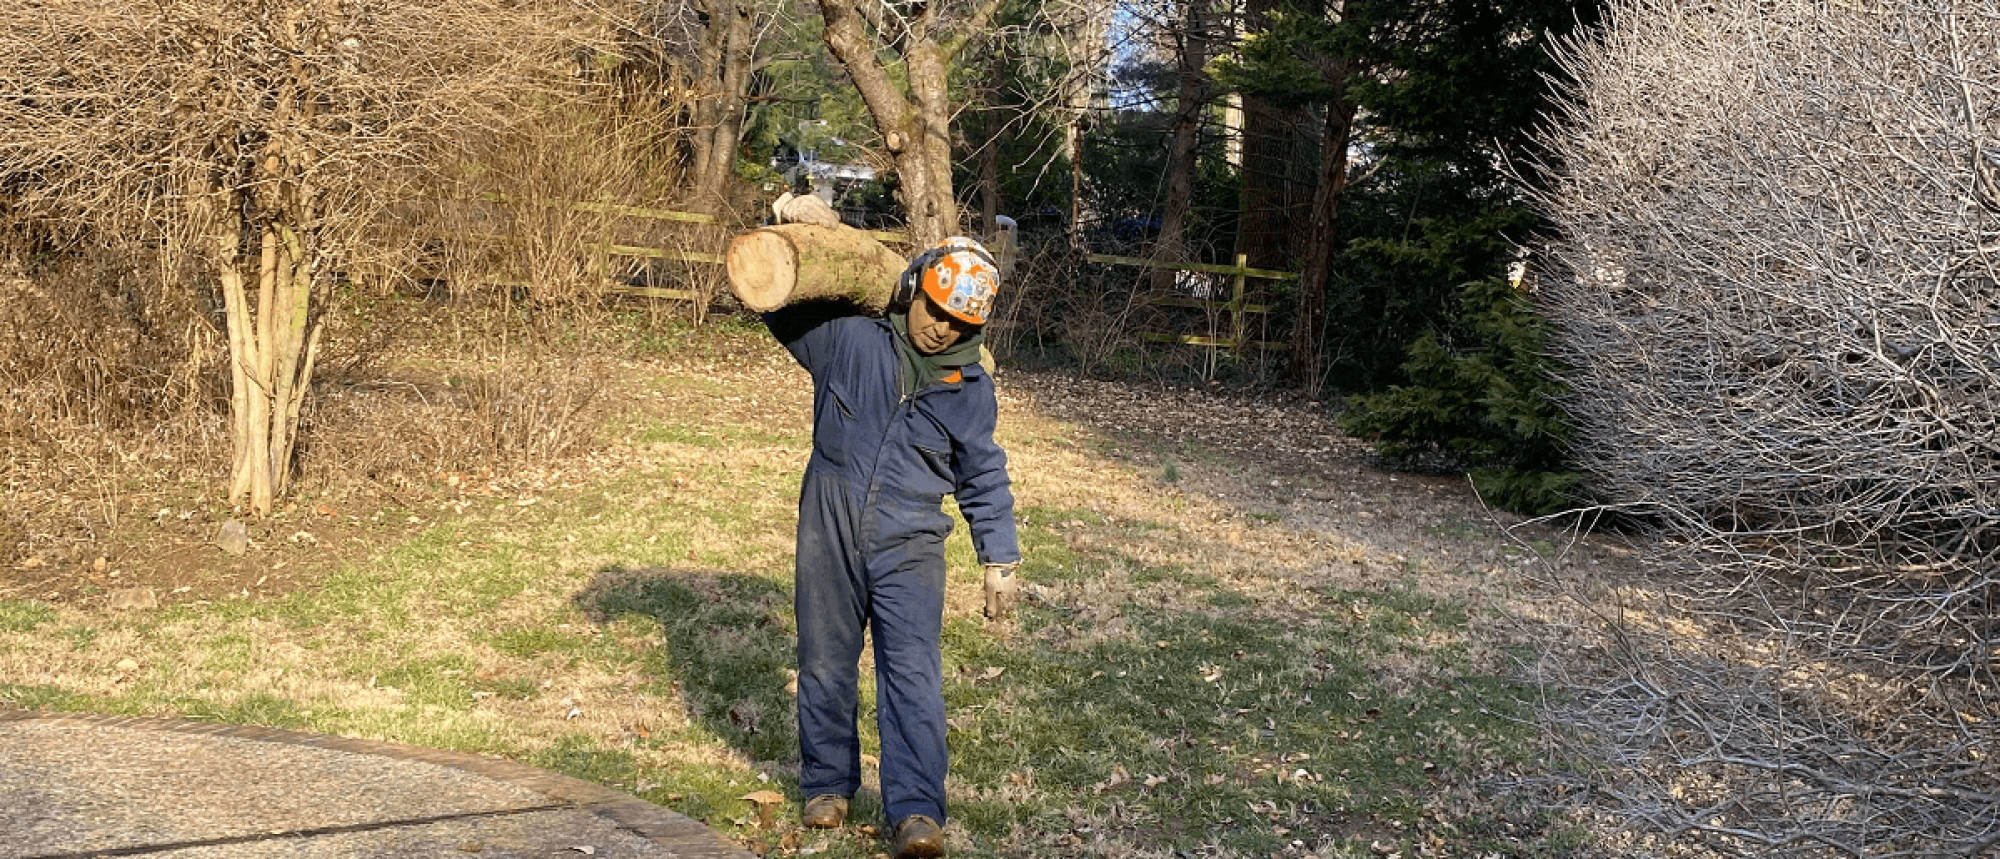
[[1219, 654]]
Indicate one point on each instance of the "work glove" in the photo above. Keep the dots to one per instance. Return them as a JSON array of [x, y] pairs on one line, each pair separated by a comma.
[[1002, 587]]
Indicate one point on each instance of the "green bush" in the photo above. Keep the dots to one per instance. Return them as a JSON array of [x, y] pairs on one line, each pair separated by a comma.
[[1484, 401]]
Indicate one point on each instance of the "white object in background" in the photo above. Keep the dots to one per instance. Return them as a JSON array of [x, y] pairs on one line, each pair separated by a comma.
[[1005, 243], [804, 209]]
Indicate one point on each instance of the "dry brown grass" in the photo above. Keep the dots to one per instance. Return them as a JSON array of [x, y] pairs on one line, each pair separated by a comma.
[[422, 542], [89, 335]]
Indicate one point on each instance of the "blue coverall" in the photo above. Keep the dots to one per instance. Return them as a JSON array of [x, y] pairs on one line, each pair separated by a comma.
[[871, 549]]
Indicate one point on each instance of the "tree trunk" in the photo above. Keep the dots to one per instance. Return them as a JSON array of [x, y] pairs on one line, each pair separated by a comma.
[[272, 349], [772, 267], [1183, 150], [1309, 328], [1073, 149], [991, 122], [1088, 24], [1270, 180], [728, 49], [916, 127], [932, 205], [705, 110], [1260, 222]]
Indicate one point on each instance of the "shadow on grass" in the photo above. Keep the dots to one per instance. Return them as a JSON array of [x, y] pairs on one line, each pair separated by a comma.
[[725, 648], [725, 652], [1156, 724]]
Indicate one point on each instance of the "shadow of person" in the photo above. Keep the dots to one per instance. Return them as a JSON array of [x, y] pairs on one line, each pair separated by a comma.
[[725, 651]]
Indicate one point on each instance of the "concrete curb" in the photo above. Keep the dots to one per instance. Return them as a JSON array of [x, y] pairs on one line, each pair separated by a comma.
[[677, 834]]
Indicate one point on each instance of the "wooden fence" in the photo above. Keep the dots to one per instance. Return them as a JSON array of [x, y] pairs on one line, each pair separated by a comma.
[[686, 256], [1237, 308]]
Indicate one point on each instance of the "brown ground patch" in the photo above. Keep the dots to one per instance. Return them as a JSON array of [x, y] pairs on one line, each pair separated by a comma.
[[98, 519], [95, 517]]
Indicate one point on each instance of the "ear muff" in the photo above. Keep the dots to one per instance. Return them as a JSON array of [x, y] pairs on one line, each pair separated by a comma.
[[912, 280]]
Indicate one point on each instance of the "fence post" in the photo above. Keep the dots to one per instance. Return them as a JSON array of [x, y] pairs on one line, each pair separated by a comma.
[[1237, 323]]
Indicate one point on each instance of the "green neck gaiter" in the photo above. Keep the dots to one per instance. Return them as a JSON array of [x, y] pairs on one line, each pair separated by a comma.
[[920, 369]]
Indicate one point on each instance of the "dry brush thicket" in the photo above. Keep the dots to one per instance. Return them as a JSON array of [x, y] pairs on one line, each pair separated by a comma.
[[254, 146], [1778, 289], [199, 198]]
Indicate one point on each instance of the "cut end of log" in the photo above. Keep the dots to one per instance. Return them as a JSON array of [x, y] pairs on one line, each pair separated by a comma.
[[763, 268], [771, 267]]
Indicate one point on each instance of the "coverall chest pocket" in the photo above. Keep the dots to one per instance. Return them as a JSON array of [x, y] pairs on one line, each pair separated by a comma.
[[837, 403], [834, 428], [933, 447]]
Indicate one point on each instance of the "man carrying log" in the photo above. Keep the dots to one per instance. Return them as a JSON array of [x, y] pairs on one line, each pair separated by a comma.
[[903, 414]]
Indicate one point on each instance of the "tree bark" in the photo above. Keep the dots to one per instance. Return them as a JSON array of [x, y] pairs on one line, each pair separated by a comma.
[[932, 205], [707, 72], [904, 128], [272, 350], [772, 267], [729, 55], [1073, 149], [915, 122], [1309, 326], [1256, 220], [1183, 150], [991, 122], [1273, 189], [236, 325]]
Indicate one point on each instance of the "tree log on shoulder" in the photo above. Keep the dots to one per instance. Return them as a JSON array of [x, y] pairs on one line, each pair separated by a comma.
[[771, 267]]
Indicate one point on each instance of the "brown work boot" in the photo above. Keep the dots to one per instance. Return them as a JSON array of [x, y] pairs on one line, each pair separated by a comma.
[[917, 837], [826, 811]]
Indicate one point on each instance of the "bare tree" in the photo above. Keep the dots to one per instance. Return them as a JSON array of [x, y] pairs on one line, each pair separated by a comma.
[[911, 104], [1035, 80], [257, 141], [701, 56], [1193, 45], [1778, 284], [1081, 29]]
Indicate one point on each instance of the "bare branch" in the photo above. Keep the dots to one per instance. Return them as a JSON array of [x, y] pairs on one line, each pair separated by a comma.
[[1777, 287]]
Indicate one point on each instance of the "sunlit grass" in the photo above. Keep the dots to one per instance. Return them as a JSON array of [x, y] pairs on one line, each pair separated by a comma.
[[24, 615], [1157, 692]]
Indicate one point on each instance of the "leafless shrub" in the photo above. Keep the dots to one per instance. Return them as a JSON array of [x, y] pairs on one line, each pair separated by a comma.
[[1057, 299], [483, 416], [1779, 285], [134, 142], [705, 283], [539, 203], [93, 340], [259, 143], [1100, 316], [542, 414]]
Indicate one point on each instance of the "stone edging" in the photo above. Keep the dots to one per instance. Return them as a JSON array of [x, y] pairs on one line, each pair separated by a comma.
[[681, 835]]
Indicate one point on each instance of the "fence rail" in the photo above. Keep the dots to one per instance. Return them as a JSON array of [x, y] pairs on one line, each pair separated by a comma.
[[685, 256], [1237, 307]]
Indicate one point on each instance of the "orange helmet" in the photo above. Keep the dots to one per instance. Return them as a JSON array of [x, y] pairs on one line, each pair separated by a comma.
[[958, 275]]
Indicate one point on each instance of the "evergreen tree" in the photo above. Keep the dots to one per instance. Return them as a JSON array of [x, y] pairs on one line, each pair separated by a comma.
[[1483, 401], [1417, 305], [1443, 94]]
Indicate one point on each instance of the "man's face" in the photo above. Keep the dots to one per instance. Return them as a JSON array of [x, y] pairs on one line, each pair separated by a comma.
[[931, 329]]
